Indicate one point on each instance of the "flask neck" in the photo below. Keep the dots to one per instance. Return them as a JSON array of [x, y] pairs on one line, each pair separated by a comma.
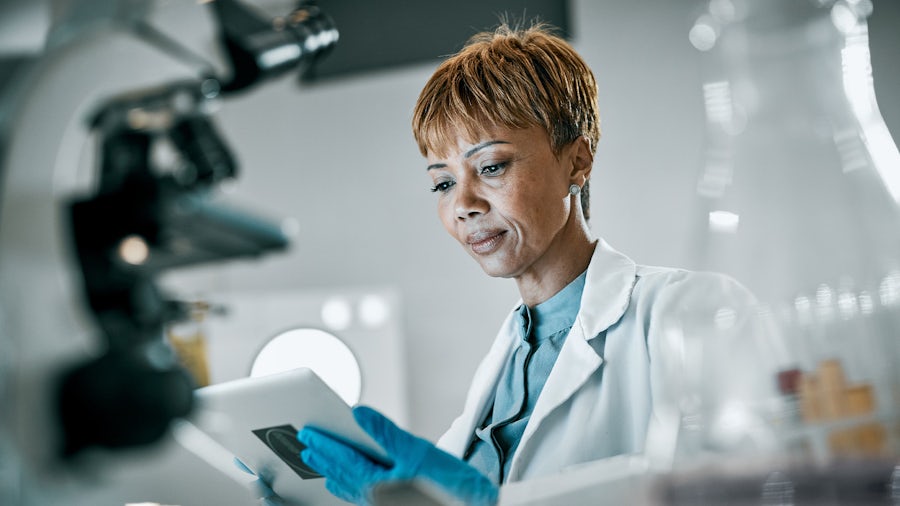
[[784, 59]]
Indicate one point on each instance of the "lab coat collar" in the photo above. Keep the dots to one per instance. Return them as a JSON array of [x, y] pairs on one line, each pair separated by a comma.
[[607, 290]]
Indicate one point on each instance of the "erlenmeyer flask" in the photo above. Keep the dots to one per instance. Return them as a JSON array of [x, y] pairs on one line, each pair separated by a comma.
[[798, 201]]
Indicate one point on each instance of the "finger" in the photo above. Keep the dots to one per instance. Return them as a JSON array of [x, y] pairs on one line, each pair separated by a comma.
[[458, 478], [331, 448], [263, 489], [334, 459], [393, 439], [341, 491], [336, 480], [243, 467]]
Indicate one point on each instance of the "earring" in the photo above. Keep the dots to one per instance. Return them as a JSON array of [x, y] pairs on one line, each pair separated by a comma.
[[574, 189]]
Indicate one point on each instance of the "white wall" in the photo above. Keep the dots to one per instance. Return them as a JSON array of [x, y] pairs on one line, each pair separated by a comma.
[[339, 157]]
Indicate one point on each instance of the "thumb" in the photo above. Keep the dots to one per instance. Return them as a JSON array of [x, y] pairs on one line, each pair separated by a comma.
[[393, 439]]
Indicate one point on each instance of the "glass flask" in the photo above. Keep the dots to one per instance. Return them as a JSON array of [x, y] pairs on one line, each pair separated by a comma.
[[10, 465], [797, 200]]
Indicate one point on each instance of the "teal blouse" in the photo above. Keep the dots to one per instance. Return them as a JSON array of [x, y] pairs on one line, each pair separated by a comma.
[[543, 330]]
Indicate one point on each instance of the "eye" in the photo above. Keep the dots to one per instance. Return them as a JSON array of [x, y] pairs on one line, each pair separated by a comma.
[[493, 170], [442, 186]]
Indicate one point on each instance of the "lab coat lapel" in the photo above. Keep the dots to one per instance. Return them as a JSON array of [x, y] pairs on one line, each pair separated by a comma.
[[576, 363], [607, 292]]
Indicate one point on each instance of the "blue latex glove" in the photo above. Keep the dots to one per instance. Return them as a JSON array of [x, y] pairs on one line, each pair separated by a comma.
[[351, 475], [264, 492]]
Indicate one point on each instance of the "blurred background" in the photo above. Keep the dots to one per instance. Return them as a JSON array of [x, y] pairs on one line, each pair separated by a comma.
[[338, 158], [334, 157]]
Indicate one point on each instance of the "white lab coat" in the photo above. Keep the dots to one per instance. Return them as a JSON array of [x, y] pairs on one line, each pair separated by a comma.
[[601, 394]]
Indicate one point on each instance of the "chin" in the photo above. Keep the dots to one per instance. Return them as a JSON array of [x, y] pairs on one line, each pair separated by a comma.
[[496, 269]]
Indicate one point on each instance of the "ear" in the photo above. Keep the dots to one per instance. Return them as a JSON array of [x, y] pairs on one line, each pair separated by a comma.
[[581, 159]]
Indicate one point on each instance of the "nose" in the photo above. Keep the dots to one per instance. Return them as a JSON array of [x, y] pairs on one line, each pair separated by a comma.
[[469, 201]]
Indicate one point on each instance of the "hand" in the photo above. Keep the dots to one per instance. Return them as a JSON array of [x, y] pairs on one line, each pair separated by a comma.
[[264, 492], [351, 475]]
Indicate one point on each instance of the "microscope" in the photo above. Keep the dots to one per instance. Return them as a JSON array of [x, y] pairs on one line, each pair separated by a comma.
[[85, 367]]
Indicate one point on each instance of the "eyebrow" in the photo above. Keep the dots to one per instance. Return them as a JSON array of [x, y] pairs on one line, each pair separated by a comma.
[[468, 153]]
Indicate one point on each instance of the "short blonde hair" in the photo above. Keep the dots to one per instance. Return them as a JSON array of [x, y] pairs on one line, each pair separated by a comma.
[[515, 78]]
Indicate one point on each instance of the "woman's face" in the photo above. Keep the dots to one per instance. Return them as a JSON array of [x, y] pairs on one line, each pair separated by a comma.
[[505, 198]]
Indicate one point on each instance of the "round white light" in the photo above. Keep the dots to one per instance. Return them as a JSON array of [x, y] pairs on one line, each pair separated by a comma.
[[374, 311], [337, 314], [702, 36], [318, 350], [134, 250]]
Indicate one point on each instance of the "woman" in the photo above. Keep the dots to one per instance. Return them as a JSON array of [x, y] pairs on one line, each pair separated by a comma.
[[509, 127]]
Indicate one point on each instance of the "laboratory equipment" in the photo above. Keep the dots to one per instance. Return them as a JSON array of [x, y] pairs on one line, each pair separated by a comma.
[[798, 200], [82, 251], [189, 341], [159, 218]]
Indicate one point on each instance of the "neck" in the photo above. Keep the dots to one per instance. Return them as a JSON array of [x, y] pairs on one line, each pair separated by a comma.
[[559, 267]]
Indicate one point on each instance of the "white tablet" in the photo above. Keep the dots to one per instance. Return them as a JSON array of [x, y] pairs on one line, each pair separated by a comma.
[[257, 420]]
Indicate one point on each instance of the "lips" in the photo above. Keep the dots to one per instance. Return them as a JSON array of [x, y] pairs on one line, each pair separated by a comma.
[[485, 241]]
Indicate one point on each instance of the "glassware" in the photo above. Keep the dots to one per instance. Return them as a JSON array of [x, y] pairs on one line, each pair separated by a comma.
[[189, 341], [10, 464], [798, 201]]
